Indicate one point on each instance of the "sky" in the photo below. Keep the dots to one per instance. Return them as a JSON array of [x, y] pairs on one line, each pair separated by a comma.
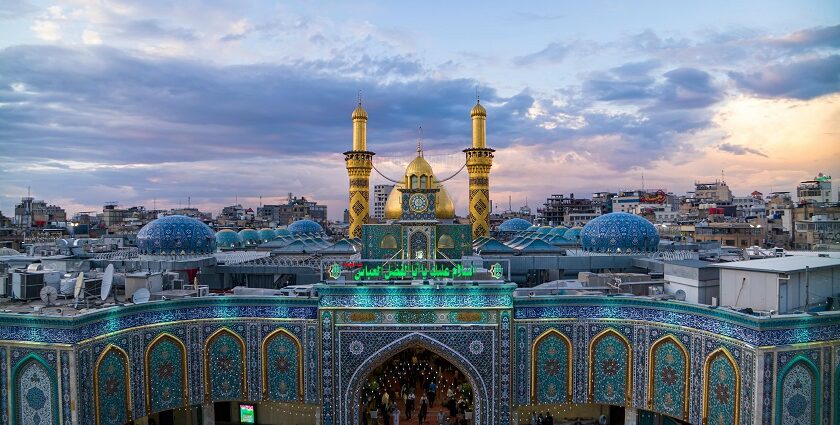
[[162, 103]]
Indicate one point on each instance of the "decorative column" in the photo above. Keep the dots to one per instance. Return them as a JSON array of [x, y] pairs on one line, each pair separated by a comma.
[[359, 163], [479, 161]]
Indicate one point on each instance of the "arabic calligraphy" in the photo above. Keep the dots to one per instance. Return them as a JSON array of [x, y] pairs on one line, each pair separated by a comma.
[[413, 271]]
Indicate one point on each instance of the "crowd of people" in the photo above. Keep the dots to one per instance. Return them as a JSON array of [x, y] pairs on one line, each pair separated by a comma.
[[540, 419], [417, 384]]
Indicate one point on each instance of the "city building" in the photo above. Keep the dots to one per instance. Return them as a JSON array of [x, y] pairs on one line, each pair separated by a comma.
[[559, 209], [295, 208], [712, 192], [820, 233], [741, 235], [380, 197], [815, 191], [36, 213]]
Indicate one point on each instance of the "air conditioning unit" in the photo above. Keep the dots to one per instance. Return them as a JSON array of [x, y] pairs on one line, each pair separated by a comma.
[[655, 290]]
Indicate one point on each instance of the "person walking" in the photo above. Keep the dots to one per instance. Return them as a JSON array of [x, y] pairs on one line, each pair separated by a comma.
[[440, 418], [395, 415], [424, 409], [409, 405], [432, 393]]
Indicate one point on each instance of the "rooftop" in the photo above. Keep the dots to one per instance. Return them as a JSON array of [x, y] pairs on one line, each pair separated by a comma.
[[782, 264]]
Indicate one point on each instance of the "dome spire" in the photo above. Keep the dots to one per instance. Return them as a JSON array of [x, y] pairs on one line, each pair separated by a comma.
[[420, 141]]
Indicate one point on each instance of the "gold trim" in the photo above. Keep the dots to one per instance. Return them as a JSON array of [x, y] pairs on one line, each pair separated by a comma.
[[264, 352], [127, 381], [207, 342], [534, 348], [722, 351], [184, 370], [628, 376], [652, 367]]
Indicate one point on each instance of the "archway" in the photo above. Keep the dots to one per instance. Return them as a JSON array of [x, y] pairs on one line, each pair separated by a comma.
[[480, 393], [412, 378]]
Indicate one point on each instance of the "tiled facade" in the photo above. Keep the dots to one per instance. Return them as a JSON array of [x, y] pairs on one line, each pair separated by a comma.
[[689, 362]]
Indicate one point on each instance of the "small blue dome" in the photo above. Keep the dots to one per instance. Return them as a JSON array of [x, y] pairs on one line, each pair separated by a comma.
[[249, 236], [619, 232], [228, 239], [176, 234], [572, 234], [514, 225], [267, 235], [304, 226], [282, 232]]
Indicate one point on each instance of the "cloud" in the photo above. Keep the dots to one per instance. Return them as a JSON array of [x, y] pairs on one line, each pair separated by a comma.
[[91, 37], [739, 150], [804, 79], [688, 88], [808, 38], [46, 30], [553, 53]]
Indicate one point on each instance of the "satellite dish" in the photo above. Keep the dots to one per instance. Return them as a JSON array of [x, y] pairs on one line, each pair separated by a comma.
[[107, 280], [680, 295], [80, 281], [602, 420], [141, 296], [48, 295]]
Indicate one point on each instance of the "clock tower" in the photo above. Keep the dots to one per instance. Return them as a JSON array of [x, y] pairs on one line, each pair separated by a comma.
[[419, 196]]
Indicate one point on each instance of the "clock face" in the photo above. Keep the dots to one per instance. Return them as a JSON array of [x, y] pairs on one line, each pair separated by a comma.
[[418, 202]]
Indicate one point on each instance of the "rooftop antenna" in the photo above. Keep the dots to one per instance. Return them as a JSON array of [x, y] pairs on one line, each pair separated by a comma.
[[189, 202], [643, 181], [260, 201], [510, 205], [154, 203], [28, 191]]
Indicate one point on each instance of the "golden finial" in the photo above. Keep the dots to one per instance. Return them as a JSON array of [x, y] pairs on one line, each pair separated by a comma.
[[419, 140]]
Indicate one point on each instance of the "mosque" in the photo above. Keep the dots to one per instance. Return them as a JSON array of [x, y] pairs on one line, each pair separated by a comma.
[[415, 300]]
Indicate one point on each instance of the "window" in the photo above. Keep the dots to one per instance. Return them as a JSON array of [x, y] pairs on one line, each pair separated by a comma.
[[388, 242], [445, 242], [413, 184], [423, 182]]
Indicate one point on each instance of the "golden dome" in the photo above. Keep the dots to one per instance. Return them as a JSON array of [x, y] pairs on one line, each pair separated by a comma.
[[419, 167], [478, 110], [360, 113], [445, 209]]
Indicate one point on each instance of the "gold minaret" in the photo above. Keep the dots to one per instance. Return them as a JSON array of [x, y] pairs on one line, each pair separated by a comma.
[[479, 161], [359, 163]]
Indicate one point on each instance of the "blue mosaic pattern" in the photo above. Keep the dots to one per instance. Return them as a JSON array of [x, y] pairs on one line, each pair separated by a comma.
[[224, 368], [798, 390], [610, 371], [112, 391], [282, 367], [312, 365], [551, 369], [504, 367], [619, 232], [4, 388], [720, 386], [515, 224], [668, 369], [64, 358], [176, 234], [34, 392], [165, 374], [327, 367], [424, 296]]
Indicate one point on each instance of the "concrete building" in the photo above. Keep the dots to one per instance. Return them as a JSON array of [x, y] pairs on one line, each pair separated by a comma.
[[819, 233], [783, 285], [698, 280], [815, 191], [36, 213], [559, 209], [294, 209], [712, 192], [740, 235], [380, 197]]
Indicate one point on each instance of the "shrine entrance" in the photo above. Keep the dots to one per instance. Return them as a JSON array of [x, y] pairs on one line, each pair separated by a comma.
[[411, 378]]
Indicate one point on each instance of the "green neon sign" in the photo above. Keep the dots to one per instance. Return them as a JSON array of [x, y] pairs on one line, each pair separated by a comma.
[[411, 271], [496, 271]]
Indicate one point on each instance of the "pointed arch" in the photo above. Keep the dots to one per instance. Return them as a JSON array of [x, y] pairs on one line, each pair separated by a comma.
[[21, 368], [298, 367], [534, 359], [815, 395], [97, 394], [388, 242], [208, 390], [627, 363], [707, 380], [445, 242], [163, 337], [653, 367]]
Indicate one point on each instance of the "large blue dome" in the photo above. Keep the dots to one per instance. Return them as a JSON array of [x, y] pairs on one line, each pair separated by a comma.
[[176, 234], [619, 232], [515, 224], [304, 226]]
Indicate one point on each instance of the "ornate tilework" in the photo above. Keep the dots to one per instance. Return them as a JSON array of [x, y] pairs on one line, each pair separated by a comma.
[[65, 385], [326, 366], [619, 232], [722, 385], [504, 367], [111, 379], [798, 393], [4, 388], [551, 370], [609, 371], [282, 366], [166, 371], [668, 377], [225, 366], [34, 392]]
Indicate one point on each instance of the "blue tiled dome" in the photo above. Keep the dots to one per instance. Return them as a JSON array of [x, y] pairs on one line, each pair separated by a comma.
[[267, 235], [228, 239], [619, 232], [249, 236], [304, 226], [572, 234], [514, 225], [176, 234]]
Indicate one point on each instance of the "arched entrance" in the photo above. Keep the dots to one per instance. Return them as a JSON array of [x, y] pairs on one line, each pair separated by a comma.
[[414, 382], [417, 341]]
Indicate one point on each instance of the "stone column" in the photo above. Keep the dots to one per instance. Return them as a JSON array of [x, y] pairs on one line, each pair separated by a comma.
[[208, 414]]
